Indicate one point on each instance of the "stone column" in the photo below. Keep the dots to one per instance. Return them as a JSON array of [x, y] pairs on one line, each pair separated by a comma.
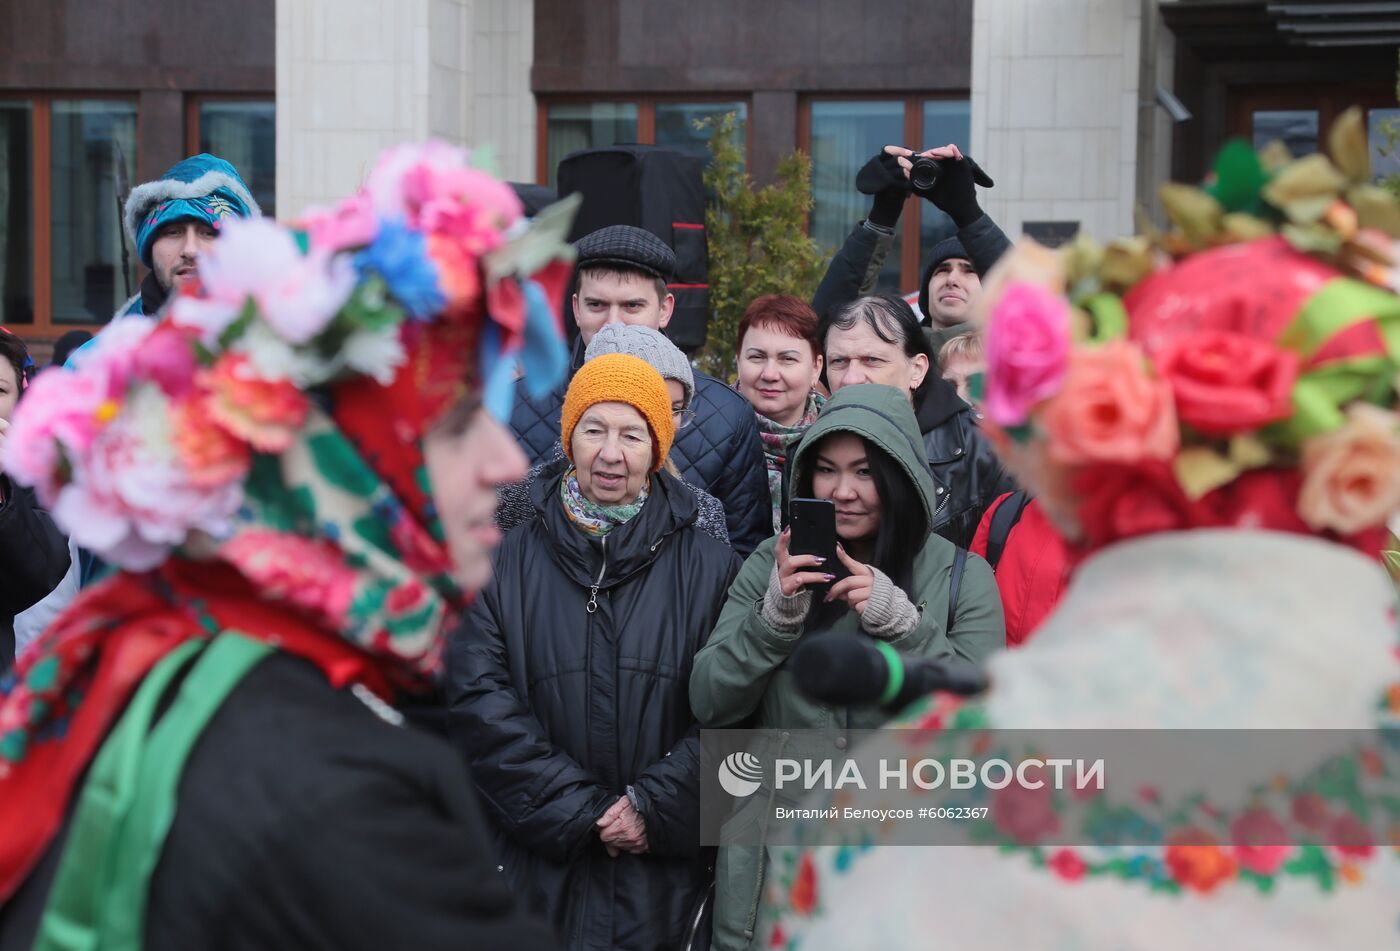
[[357, 76]]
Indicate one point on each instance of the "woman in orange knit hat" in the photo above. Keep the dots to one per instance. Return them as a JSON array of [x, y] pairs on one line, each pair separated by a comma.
[[568, 685]]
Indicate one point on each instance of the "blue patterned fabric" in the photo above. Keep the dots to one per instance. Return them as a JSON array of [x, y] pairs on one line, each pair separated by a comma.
[[203, 187]]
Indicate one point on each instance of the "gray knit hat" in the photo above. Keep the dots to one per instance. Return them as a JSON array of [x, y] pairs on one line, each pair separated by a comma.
[[649, 345]]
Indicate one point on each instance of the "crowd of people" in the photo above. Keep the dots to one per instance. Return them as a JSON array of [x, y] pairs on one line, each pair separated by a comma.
[[313, 480]]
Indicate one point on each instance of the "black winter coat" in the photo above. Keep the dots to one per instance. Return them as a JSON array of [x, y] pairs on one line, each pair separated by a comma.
[[33, 560], [306, 822], [560, 709], [720, 451], [968, 475]]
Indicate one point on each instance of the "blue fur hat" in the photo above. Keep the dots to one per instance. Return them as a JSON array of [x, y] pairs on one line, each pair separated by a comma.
[[201, 188]]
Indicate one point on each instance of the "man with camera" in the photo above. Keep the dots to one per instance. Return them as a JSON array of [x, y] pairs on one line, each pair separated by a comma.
[[952, 276]]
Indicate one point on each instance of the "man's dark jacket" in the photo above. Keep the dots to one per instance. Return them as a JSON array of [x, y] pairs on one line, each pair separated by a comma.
[[33, 560], [305, 821], [720, 451], [968, 474], [561, 709]]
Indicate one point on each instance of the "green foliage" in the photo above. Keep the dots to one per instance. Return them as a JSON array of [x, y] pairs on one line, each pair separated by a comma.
[[757, 240]]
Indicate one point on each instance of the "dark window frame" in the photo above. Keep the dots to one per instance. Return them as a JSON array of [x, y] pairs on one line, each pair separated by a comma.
[[646, 117], [41, 226]]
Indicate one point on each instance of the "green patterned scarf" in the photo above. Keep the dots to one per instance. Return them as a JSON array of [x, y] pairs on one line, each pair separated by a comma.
[[590, 517], [777, 439]]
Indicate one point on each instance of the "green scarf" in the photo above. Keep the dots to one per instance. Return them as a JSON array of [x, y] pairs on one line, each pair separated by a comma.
[[590, 517], [777, 439]]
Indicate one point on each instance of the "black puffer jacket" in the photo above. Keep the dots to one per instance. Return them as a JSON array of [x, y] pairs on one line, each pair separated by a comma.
[[720, 452], [560, 709], [33, 560], [514, 507], [968, 474]]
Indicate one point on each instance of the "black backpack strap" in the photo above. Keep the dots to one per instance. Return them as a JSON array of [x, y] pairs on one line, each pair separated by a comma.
[[954, 584], [1004, 519]]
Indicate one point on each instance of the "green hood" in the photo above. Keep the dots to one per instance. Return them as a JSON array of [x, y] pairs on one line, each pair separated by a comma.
[[882, 415]]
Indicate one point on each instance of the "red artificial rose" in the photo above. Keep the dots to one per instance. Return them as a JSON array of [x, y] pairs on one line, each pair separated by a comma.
[[1120, 502], [1067, 865], [1350, 836], [1196, 861], [1261, 842], [1227, 383], [1024, 815]]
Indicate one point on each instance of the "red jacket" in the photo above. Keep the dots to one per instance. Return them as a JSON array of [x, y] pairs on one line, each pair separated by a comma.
[[1032, 572]]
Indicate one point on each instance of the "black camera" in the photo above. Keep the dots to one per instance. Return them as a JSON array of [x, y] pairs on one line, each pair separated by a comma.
[[925, 172]]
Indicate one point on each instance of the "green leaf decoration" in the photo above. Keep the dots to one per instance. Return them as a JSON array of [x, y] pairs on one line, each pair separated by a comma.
[[1312, 861], [1376, 208], [376, 533], [1196, 213], [1239, 178], [1350, 146], [341, 466], [371, 307], [42, 675], [1305, 189], [240, 326], [1110, 317], [1313, 238], [1264, 883]]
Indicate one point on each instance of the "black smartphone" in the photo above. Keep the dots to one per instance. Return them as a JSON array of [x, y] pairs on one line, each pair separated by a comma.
[[813, 524]]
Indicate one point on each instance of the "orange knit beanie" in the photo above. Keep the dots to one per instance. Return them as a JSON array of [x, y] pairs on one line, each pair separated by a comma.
[[621, 378]]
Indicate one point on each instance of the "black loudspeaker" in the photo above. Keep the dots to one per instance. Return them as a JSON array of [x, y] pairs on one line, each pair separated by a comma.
[[661, 190]]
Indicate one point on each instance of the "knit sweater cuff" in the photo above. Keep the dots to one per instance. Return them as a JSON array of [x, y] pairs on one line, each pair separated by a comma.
[[783, 614], [889, 613]]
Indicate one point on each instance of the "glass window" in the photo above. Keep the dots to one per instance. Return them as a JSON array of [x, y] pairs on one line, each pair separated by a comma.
[[845, 134], [89, 136], [1383, 126], [944, 122], [1296, 127], [16, 214], [587, 125], [675, 124], [245, 135]]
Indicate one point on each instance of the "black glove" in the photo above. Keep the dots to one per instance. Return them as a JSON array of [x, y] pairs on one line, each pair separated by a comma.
[[953, 193], [883, 178]]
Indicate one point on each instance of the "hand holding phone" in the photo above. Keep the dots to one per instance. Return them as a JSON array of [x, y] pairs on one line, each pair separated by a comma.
[[812, 544]]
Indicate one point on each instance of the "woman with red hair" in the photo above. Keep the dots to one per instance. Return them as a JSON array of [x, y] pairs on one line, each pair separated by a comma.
[[780, 361]]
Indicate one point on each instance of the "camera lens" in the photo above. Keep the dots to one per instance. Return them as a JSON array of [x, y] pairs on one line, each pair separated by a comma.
[[925, 172]]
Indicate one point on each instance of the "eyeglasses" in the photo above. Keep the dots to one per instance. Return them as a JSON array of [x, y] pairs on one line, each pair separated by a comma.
[[683, 418]]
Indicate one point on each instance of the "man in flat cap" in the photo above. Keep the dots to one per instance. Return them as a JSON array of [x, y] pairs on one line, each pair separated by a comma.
[[622, 275]]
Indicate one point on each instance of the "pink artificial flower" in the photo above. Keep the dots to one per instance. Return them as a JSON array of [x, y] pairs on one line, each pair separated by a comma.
[[1027, 348], [265, 413], [465, 204], [167, 359], [130, 499], [257, 259], [1260, 842], [60, 417], [385, 185], [1024, 815], [309, 573], [352, 223], [1110, 409], [209, 452]]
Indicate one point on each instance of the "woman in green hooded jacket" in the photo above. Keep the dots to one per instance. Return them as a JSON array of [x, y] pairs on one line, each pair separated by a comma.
[[865, 454]]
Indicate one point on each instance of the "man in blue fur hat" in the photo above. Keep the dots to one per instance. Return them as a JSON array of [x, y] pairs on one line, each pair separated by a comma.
[[174, 218]]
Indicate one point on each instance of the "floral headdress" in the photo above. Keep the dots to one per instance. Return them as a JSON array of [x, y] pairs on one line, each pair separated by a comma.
[[1240, 370], [272, 419]]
